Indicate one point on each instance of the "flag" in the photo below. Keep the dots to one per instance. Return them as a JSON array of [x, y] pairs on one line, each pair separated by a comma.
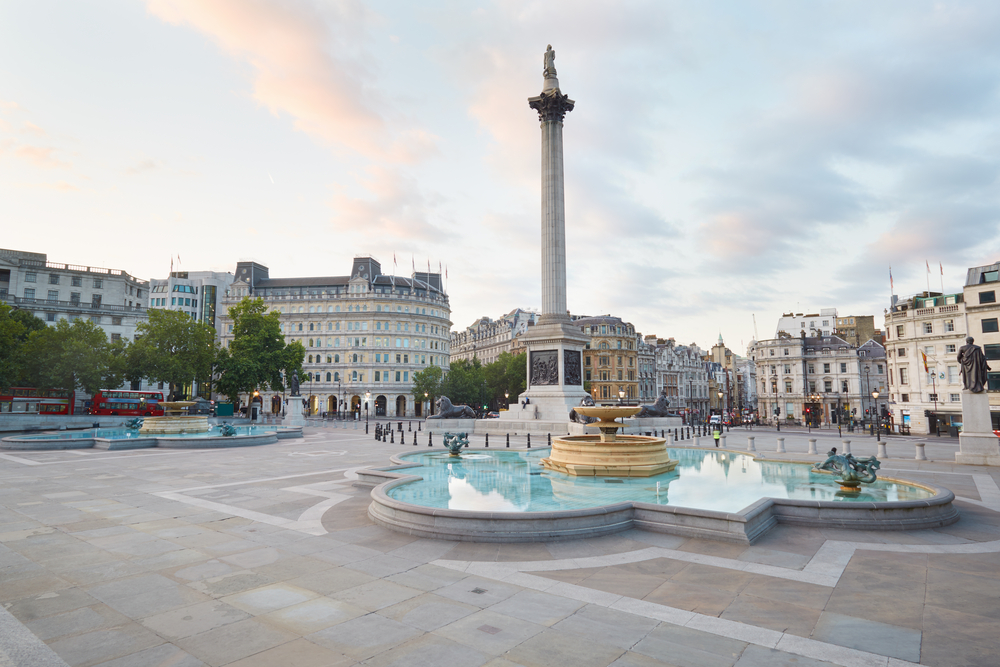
[[928, 266], [171, 264], [413, 263], [924, 355], [891, 288], [439, 267], [428, 265], [942, 268]]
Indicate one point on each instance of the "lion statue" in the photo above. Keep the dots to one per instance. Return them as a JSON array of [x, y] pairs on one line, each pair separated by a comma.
[[587, 401], [445, 410], [658, 409]]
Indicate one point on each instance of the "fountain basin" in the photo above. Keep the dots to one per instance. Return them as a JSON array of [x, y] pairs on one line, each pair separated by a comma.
[[122, 438], [508, 496], [626, 456]]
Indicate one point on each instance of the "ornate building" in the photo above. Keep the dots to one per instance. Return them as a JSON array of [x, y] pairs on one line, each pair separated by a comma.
[[610, 359], [486, 339], [365, 334], [681, 371]]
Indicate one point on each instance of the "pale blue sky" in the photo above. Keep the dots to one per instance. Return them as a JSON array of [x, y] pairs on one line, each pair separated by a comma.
[[724, 158]]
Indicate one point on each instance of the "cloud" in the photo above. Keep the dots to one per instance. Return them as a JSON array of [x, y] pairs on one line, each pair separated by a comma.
[[142, 167], [40, 157], [394, 207], [31, 128], [309, 62]]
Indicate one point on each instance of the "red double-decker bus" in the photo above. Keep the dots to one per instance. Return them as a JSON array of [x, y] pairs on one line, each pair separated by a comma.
[[29, 400], [130, 403]]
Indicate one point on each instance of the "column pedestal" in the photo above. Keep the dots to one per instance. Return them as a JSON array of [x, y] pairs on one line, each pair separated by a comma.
[[978, 445]]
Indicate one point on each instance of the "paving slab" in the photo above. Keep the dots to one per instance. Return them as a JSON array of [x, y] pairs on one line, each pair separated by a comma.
[[867, 635], [361, 638]]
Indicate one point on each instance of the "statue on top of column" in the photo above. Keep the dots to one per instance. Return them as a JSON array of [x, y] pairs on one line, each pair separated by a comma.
[[974, 366], [550, 63]]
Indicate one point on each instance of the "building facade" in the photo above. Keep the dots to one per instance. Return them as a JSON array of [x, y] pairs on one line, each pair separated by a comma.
[[365, 334], [487, 339], [646, 360], [794, 324], [196, 293], [858, 329], [818, 379], [610, 360], [982, 285], [681, 371], [923, 334]]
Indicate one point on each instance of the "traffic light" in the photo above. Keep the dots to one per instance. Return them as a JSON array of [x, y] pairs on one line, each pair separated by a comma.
[[868, 411], [854, 411], [777, 411]]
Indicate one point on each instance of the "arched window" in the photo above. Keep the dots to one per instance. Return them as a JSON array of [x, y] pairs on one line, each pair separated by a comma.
[[604, 345], [327, 377], [310, 342], [328, 360], [311, 309], [300, 326], [338, 309], [336, 358], [336, 377], [310, 358], [354, 376], [310, 324], [355, 358]]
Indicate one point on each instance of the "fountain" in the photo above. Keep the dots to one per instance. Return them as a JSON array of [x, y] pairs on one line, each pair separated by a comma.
[[175, 420], [609, 454]]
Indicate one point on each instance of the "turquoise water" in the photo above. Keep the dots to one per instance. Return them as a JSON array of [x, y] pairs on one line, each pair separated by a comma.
[[125, 434], [515, 481]]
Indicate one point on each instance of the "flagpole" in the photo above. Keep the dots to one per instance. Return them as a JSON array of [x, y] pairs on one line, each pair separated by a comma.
[[942, 277], [928, 275]]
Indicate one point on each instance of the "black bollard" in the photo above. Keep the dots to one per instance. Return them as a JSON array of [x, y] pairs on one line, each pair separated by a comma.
[[675, 434], [548, 439], [487, 439], [419, 424], [508, 440], [366, 428], [430, 435], [529, 441], [401, 427], [409, 426], [392, 437]]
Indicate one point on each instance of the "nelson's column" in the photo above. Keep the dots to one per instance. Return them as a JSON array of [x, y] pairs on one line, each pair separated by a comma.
[[555, 345]]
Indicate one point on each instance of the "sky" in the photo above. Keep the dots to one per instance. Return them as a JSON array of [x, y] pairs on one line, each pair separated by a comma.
[[726, 161]]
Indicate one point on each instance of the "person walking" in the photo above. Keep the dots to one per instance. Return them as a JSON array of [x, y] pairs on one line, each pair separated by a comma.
[[716, 434]]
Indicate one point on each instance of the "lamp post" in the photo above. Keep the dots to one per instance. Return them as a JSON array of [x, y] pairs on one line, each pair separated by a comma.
[[621, 395], [813, 398], [427, 400], [284, 382], [368, 396], [340, 397], [871, 429], [878, 425]]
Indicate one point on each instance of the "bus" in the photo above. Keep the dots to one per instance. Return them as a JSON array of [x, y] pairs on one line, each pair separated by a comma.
[[130, 403], [29, 400]]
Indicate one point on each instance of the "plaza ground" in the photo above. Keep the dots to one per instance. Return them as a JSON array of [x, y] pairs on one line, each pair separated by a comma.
[[265, 556]]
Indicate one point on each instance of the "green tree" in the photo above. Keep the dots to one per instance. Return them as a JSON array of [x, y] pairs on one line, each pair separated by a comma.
[[508, 374], [464, 383], [427, 384], [15, 327], [73, 356], [257, 355], [172, 348]]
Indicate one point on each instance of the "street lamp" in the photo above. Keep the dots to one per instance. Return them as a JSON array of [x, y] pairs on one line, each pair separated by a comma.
[[813, 398], [621, 395], [368, 396], [427, 400], [878, 424]]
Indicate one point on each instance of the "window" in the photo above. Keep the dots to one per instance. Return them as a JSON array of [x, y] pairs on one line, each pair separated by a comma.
[[992, 351], [993, 381], [786, 351], [928, 327], [99, 284], [950, 347], [904, 376], [826, 369], [29, 292], [843, 368], [988, 297], [788, 369], [843, 386], [899, 331], [811, 368], [788, 386], [51, 317], [990, 325], [901, 352], [905, 398], [30, 277], [77, 281], [878, 368], [812, 387], [53, 295], [53, 278], [949, 325], [929, 350]]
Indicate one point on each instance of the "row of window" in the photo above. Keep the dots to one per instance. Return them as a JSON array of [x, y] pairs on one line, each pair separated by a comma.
[[358, 325], [75, 281], [827, 386], [358, 308], [53, 295], [380, 358], [355, 376], [160, 302], [605, 376]]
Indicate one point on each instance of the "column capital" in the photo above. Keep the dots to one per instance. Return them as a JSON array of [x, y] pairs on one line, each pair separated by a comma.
[[551, 105]]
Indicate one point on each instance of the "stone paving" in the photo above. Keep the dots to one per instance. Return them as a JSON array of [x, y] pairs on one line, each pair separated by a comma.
[[265, 556]]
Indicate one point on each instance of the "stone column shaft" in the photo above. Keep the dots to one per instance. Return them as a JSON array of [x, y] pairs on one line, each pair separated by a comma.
[[553, 221]]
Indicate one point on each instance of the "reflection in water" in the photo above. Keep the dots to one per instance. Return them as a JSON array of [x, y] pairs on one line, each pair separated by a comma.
[[515, 482]]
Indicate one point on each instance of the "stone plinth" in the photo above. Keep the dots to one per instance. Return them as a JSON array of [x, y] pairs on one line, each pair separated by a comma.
[[450, 426], [626, 456], [293, 413], [977, 443]]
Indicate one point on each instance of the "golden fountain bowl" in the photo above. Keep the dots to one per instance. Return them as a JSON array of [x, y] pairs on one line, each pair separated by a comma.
[[608, 413]]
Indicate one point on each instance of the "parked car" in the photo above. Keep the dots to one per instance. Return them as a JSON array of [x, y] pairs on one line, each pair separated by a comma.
[[715, 419], [493, 415]]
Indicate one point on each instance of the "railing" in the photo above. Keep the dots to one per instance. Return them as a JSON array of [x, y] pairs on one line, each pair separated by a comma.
[[948, 309], [76, 267], [78, 305]]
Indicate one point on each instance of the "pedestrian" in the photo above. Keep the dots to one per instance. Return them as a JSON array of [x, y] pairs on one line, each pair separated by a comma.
[[716, 434]]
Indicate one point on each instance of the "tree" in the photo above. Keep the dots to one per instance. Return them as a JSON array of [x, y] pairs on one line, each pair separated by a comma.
[[72, 356], [464, 382], [427, 384], [257, 355], [172, 348], [508, 374], [15, 327]]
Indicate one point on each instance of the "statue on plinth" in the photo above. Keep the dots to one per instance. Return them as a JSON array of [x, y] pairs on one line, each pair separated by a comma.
[[974, 366], [295, 384], [445, 410], [550, 63], [659, 409]]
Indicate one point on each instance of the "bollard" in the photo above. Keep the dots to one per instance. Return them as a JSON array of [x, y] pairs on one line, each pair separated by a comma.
[[781, 446], [430, 437], [392, 437], [722, 440], [409, 426], [508, 441], [366, 428], [419, 425], [812, 446], [487, 439], [414, 439], [548, 439], [920, 452], [882, 454], [750, 444], [529, 441], [847, 446], [675, 434]]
